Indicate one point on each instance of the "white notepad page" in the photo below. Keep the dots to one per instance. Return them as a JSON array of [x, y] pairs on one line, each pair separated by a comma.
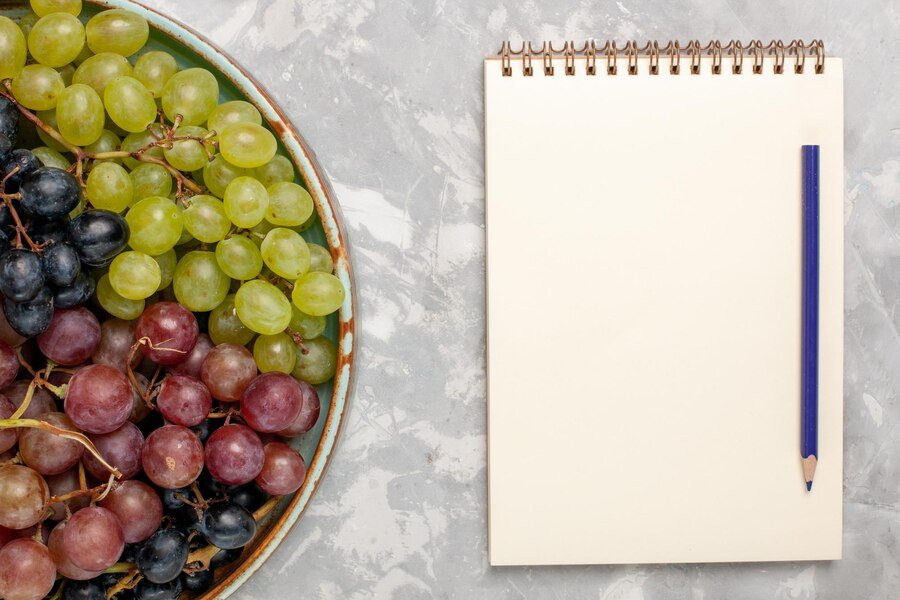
[[644, 280]]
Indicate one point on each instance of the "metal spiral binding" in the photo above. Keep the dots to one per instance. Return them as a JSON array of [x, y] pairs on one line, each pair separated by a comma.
[[756, 50]]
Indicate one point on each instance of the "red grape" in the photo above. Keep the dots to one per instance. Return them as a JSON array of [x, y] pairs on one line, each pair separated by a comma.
[[72, 337], [41, 401], [7, 333], [27, 571], [227, 371], [8, 437], [5, 536], [308, 415], [93, 539], [191, 365], [120, 448], [61, 485], [234, 454], [99, 399], [9, 364], [172, 456], [48, 453], [283, 471], [63, 564], [183, 400], [172, 331], [24, 496], [271, 402], [116, 340], [138, 508]]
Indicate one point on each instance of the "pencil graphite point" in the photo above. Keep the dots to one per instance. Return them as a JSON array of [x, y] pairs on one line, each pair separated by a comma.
[[809, 469], [809, 486]]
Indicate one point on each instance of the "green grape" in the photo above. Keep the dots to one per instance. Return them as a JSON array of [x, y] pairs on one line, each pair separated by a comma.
[[82, 56], [79, 114], [260, 231], [247, 145], [286, 253], [262, 307], [246, 201], [45, 7], [289, 204], [119, 31], [218, 173], [228, 113], [49, 118], [320, 259], [307, 326], [13, 50], [116, 305], [192, 93], [109, 187], [154, 69], [56, 40], [37, 87], [309, 223], [50, 157], [205, 219], [188, 155], [155, 224], [199, 283], [99, 70], [185, 234], [134, 275], [319, 362], [148, 180], [275, 353], [239, 258], [135, 141], [167, 262], [107, 142], [26, 22], [225, 327], [279, 169], [66, 72], [130, 105], [318, 293]]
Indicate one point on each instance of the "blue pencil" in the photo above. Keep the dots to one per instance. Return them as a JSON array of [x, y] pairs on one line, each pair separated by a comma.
[[809, 436]]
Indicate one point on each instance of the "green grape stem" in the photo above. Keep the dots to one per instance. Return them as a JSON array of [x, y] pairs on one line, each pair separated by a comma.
[[65, 433]]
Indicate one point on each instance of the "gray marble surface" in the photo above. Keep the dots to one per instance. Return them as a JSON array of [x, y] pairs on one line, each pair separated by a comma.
[[389, 94]]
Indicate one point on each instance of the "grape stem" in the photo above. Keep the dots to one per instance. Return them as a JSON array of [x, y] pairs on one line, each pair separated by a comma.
[[97, 493], [65, 433], [126, 583], [8, 201]]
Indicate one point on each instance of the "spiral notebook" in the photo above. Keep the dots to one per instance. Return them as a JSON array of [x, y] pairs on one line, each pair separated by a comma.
[[643, 208]]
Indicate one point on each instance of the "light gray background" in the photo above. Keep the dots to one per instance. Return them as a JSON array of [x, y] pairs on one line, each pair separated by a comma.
[[389, 94]]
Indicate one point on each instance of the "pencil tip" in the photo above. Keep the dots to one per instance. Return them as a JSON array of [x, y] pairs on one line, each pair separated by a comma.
[[809, 486]]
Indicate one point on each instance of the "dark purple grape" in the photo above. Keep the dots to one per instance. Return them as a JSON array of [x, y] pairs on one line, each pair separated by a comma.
[[21, 275], [163, 556], [224, 557], [6, 146], [30, 318], [173, 499], [61, 265], [249, 496], [76, 294], [146, 590], [49, 193], [91, 589], [26, 161], [198, 582], [228, 525], [98, 236], [9, 120], [48, 232]]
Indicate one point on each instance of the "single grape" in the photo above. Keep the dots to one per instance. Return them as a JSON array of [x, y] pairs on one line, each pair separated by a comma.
[[20, 163], [227, 371], [98, 236], [67, 72], [163, 556], [135, 141], [262, 307], [24, 496], [199, 581], [50, 157], [118, 31], [109, 187], [199, 283], [27, 570], [21, 275], [283, 471], [271, 402], [183, 400], [318, 293], [276, 352], [167, 262], [147, 590], [55, 40], [147, 180], [285, 253], [120, 448], [48, 453], [225, 327], [155, 225], [98, 399], [289, 204], [45, 7], [308, 326], [13, 50], [138, 508], [235, 111], [249, 496], [228, 525], [93, 539], [172, 456], [234, 454], [41, 402], [116, 338], [206, 220], [218, 173], [8, 437], [101, 69], [153, 69], [37, 87], [194, 361], [7, 333], [115, 304], [239, 257], [63, 564], [224, 557], [94, 589], [129, 104], [318, 363], [107, 142], [32, 317], [246, 201], [308, 415], [49, 193], [279, 169], [320, 259], [134, 275], [192, 93], [76, 294], [49, 118], [188, 154], [72, 337], [60, 485], [247, 145], [79, 114], [171, 330]]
